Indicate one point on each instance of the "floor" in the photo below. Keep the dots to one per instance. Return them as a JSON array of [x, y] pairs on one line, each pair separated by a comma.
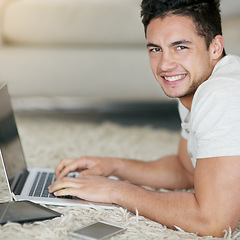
[[156, 115]]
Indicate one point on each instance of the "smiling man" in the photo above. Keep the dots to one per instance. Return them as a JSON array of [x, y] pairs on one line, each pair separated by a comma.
[[179, 57], [187, 57]]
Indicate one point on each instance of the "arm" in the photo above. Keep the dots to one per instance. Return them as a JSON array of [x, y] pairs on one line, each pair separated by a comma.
[[213, 208], [171, 172]]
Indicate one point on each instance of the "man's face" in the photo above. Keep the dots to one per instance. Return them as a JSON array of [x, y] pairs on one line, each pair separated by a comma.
[[179, 57]]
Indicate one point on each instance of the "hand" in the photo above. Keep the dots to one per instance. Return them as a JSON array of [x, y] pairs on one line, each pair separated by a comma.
[[88, 166], [90, 188]]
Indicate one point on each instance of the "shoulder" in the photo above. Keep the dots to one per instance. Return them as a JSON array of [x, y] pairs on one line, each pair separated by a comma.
[[224, 83], [215, 112], [218, 98]]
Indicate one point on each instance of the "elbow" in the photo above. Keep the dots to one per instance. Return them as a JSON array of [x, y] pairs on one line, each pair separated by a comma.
[[219, 231], [218, 227]]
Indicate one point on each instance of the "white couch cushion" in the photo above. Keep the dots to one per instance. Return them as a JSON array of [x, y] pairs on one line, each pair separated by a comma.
[[73, 21]]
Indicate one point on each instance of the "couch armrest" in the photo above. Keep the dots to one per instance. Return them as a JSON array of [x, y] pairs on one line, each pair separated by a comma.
[[3, 4]]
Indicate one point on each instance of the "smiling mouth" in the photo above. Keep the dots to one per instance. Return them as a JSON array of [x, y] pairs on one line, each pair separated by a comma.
[[175, 78]]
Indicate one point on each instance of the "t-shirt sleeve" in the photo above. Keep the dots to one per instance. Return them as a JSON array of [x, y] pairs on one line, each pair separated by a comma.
[[216, 121], [183, 112]]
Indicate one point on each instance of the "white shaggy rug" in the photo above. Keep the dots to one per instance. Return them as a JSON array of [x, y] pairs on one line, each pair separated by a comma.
[[47, 139]]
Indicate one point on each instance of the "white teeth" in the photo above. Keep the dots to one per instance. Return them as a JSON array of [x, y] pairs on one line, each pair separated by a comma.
[[175, 78]]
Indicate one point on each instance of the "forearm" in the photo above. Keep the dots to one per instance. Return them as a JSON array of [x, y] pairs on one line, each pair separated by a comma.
[[172, 209], [166, 172]]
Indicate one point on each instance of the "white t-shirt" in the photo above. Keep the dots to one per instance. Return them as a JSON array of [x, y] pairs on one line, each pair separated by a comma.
[[212, 128]]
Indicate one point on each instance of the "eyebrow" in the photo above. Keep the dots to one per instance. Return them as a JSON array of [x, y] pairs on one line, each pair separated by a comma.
[[152, 45], [176, 43], [185, 42]]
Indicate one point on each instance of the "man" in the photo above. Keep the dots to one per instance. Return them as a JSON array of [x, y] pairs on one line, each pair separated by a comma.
[[186, 49]]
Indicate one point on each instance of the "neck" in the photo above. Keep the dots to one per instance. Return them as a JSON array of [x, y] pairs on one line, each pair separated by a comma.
[[187, 102]]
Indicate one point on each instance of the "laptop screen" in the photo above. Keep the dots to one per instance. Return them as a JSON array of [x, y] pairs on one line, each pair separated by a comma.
[[10, 144]]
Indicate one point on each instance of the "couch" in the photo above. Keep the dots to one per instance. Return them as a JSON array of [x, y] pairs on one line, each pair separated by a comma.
[[73, 52]]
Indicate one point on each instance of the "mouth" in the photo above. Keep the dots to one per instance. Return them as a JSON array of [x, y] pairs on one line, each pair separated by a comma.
[[174, 78]]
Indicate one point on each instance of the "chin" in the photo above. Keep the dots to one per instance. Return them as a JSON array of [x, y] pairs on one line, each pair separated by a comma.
[[174, 95], [180, 94]]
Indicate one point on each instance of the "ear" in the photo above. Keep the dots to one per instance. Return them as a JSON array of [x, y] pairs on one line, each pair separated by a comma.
[[216, 47]]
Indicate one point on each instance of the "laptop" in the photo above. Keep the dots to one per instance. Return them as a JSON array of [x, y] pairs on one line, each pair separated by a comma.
[[27, 183]]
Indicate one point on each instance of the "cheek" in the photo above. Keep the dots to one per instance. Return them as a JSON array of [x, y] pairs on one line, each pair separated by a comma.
[[191, 64], [185, 59], [203, 67], [154, 65]]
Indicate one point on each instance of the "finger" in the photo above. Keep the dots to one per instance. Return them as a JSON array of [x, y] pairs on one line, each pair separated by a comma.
[[67, 192], [86, 190], [95, 171], [62, 165], [71, 167], [64, 183]]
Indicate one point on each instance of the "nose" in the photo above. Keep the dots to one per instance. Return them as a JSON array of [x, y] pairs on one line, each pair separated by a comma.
[[166, 62]]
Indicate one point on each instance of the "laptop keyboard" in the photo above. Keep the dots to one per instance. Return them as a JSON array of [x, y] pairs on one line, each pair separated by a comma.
[[41, 183]]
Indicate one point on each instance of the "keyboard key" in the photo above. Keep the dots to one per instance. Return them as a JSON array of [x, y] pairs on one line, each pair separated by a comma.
[[34, 184], [41, 183]]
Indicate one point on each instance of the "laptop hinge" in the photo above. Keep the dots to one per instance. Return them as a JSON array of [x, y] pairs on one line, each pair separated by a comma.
[[13, 197], [20, 182]]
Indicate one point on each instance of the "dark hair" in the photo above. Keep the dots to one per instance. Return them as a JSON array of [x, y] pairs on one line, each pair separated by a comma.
[[205, 14]]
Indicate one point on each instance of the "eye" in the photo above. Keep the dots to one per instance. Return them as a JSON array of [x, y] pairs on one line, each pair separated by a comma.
[[179, 48], [155, 50]]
